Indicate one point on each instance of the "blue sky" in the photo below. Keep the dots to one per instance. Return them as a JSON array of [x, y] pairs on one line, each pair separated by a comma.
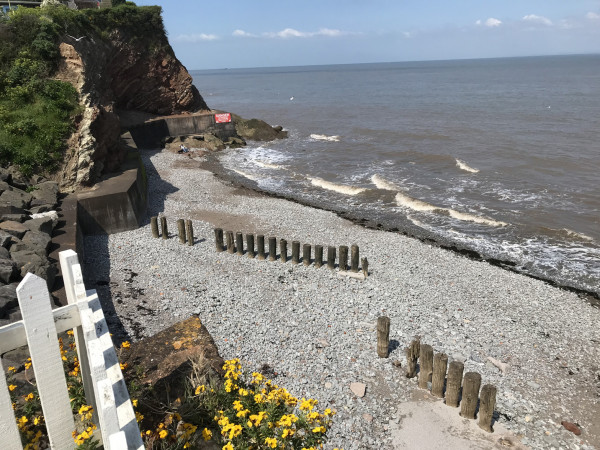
[[243, 33]]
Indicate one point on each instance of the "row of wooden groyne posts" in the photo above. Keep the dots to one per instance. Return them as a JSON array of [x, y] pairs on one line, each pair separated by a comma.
[[433, 370], [235, 244]]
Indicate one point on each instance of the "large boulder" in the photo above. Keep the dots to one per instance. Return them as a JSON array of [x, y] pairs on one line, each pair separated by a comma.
[[170, 358], [45, 194], [8, 300], [29, 261], [257, 130], [8, 270], [34, 241], [15, 197], [13, 228]]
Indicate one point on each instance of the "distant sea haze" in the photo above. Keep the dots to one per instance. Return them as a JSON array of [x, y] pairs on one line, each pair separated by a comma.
[[497, 156]]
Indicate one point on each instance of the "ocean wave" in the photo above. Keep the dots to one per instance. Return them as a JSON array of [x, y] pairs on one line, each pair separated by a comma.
[[464, 166], [246, 175], [269, 165], [566, 233], [421, 206], [340, 188], [382, 183], [324, 137]]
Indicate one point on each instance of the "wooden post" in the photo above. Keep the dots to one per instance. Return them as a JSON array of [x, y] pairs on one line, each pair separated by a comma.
[[331, 258], [365, 266], [306, 253], [260, 243], [455, 374], [354, 258], [181, 230], [343, 257], [426, 365], [470, 395], [412, 354], [272, 249], [154, 226], [163, 226], [283, 250], [318, 256], [219, 239], [295, 252], [189, 229], [250, 245], [230, 245], [383, 336], [440, 364], [487, 403], [239, 243]]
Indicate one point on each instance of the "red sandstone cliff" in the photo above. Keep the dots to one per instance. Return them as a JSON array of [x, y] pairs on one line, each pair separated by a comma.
[[118, 73]]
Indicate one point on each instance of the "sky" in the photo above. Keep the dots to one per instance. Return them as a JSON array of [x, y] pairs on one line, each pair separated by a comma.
[[244, 33]]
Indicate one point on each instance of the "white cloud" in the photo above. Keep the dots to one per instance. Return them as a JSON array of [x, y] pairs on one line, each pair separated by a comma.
[[592, 16], [491, 22], [292, 33], [196, 37], [242, 33], [407, 34], [537, 19]]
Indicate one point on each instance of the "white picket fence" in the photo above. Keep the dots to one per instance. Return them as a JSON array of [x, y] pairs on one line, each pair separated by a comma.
[[103, 381]]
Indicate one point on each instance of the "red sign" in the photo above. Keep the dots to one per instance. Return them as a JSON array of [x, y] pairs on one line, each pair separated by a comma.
[[223, 118]]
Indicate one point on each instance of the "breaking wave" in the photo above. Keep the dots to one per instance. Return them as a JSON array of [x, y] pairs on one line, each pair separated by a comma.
[[269, 165], [464, 166], [324, 137], [382, 183], [246, 175], [418, 205], [340, 188]]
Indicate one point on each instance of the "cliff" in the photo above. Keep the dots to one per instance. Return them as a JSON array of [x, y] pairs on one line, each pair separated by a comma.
[[114, 70]]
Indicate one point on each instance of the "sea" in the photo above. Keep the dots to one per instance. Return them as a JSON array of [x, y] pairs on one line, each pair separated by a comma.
[[496, 158]]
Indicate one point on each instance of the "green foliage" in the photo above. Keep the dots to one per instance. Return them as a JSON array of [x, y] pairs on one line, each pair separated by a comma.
[[37, 113]]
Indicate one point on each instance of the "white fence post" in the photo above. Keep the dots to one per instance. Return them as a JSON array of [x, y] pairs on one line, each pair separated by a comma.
[[11, 440], [34, 302]]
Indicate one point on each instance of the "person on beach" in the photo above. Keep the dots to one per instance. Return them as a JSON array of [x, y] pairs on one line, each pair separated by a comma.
[[183, 149]]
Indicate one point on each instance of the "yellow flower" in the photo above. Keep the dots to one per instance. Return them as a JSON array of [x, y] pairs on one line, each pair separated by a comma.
[[228, 446], [329, 412], [163, 434], [258, 398], [206, 434], [37, 420], [199, 389], [320, 429], [23, 420], [287, 432], [243, 413], [243, 392], [29, 397], [257, 418], [70, 332], [271, 442], [134, 402], [12, 369], [125, 344], [27, 365], [307, 405], [123, 366], [11, 387], [138, 417]]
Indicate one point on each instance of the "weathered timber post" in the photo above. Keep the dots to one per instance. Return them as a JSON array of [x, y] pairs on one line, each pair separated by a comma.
[[318, 256], [219, 239], [272, 249], [426, 365], [283, 250], [260, 243], [181, 230], [354, 258], [487, 403], [440, 364], [306, 252], [455, 374], [239, 243], [412, 354], [470, 395], [295, 252], [383, 336], [163, 226], [230, 245], [154, 226], [189, 232], [365, 266], [331, 258], [250, 245], [343, 257]]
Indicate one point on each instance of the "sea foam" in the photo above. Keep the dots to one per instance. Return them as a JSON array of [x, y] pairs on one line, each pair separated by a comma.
[[418, 205], [382, 183], [464, 166], [268, 165], [340, 188], [324, 137], [246, 175]]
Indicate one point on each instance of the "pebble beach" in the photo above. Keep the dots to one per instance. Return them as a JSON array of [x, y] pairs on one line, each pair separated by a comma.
[[316, 329]]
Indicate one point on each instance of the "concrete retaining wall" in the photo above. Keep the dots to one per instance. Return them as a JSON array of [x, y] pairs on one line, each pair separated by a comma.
[[150, 133]]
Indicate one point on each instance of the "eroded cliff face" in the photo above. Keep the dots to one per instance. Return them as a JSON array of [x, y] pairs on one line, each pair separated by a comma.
[[119, 73]]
